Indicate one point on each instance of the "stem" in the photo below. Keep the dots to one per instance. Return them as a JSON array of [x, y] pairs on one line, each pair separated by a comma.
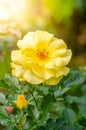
[[36, 104], [31, 92], [33, 97], [21, 123]]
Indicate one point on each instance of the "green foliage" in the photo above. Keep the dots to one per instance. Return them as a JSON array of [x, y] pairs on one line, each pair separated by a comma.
[[58, 107], [61, 9]]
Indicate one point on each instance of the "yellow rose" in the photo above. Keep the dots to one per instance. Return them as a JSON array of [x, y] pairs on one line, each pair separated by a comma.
[[41, 58], [21, 101]]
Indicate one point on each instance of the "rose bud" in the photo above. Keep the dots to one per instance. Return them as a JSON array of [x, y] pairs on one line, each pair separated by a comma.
[[9, 109]]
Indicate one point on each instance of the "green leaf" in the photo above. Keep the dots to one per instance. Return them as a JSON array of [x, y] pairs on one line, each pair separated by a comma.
[[55, 124], [3, 85], [12, 98], [12, 81], [51, 124], [3, 113], [2, 99], [60, 122], [69, 127], [23, 88], [30, 112], [72, 99], [43, 89], [82, 121], [46, 107], [60, 91], [47, 102], [74, 78], [65, 127], [42, 128], [69, 115], [12, 128], [4, 122], [82, 105], [18, 115]]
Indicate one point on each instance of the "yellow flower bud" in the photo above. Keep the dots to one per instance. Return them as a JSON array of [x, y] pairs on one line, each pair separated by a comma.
[[21, 101]]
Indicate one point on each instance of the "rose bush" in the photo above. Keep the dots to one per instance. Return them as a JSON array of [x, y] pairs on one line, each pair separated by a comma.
[[27, 100]]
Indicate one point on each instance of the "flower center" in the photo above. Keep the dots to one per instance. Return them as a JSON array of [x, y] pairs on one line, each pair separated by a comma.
[[42, 54]]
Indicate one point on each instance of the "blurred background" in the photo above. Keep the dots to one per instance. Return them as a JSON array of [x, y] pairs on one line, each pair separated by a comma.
[[65, 18]]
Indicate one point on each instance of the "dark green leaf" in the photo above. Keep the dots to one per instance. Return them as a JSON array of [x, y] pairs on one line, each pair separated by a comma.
[[69, 115], [74, 78], [82, 121], [12, 81]]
